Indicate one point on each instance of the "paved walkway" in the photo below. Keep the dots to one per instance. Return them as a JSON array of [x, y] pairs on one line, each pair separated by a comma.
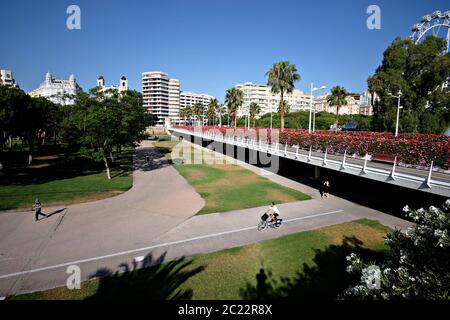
[[154, 217], [159, 200]]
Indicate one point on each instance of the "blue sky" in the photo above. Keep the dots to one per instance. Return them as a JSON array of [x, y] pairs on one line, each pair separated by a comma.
[[208, 45]]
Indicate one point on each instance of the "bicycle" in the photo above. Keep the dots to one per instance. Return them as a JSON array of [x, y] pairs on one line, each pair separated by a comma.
[[265, 223]]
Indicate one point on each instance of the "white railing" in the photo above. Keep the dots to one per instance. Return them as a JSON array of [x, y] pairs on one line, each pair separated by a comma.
[[391, 176]]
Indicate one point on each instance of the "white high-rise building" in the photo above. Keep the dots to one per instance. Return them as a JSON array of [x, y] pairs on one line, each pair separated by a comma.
[[268, 101], [155, 94], [7, 79], [174, 100], [58, 91], [190, 99], [162, 97]]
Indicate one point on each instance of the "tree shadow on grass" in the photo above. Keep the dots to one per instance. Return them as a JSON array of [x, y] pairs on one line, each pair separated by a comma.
[[325, 280], [62, 167], [155, 281]]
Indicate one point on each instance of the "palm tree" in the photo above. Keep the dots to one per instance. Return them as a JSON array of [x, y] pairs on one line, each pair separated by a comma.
[[211, 112], [286, 108], [255, 109], [212, 109], [182, 114], [198, 111], [338, 98], [281, 78], [221, 110], [234, 99], [188, 113]]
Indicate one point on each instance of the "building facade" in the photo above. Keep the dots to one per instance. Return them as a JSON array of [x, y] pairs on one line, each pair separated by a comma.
[[189, 99], [268, 101], [356, 104], [123, 85], [155, 94], [7, 79], [162, 96], [58, 91]]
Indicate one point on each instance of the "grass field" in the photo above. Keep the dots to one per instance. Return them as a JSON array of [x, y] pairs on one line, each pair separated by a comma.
[[227, 187], [306, 265], [55, 178]]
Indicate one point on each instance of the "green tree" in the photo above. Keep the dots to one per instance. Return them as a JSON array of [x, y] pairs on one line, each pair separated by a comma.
[[234, 99], [281, 78], [338, 98], [286, 108], [220, 110], [98, 122], [211, 110], [419, 72], [198, 110], [255, 109]]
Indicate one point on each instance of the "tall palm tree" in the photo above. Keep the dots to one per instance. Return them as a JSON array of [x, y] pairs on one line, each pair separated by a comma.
[[211, 112], [234, 99], [212, 109], [281, 78], [286, 108], [338, 98], [220, 110], [255, 109], [198, 111], [182, 114], [188, 112]]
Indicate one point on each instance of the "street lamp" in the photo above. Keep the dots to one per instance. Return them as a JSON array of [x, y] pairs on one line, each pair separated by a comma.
[[398, 110], [310, 103]]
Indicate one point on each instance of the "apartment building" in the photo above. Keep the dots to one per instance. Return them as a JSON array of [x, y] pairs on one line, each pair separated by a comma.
[[268, 101], [189, 99], [155, 94]]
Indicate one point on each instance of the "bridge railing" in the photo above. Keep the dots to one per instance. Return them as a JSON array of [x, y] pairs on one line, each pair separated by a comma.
[[317, 158]]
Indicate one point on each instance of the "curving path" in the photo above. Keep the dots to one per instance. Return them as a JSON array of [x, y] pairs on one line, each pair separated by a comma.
[[159, 200]]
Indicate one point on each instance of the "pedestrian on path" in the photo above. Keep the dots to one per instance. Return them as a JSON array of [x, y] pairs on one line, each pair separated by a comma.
[[37, 206], [325, 188]]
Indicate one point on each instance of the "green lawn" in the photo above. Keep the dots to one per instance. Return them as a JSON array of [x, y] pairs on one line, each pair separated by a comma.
[[227, 187], [306, 265], [57, 179]]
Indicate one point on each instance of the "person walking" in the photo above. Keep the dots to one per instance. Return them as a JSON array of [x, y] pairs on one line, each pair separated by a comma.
[[37, 206], [325, 188]]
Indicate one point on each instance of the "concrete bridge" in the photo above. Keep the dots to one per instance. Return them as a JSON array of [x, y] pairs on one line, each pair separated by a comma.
[[430, 180]]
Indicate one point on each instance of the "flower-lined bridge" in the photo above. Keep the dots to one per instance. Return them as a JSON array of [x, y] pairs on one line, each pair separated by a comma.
[[423, 176]]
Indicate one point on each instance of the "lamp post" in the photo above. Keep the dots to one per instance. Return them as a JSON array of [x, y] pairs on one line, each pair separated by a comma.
[[311, 103], [398, 110]]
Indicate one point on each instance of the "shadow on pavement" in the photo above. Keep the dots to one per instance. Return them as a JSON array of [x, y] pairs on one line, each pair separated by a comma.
[[148, 159], [156, 280], [55, 212]]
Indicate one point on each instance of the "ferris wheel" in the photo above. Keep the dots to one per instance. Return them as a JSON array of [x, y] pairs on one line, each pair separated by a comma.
[[436, 24]]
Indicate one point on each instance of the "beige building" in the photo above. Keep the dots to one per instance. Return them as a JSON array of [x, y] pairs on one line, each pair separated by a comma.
[[190, 99], [269, 102], [356, 104]]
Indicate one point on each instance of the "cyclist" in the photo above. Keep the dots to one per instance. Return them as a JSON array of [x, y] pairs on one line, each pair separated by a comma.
[[273, 212]]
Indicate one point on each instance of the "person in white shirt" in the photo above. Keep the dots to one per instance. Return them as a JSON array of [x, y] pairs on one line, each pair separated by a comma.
[[273, 212]]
